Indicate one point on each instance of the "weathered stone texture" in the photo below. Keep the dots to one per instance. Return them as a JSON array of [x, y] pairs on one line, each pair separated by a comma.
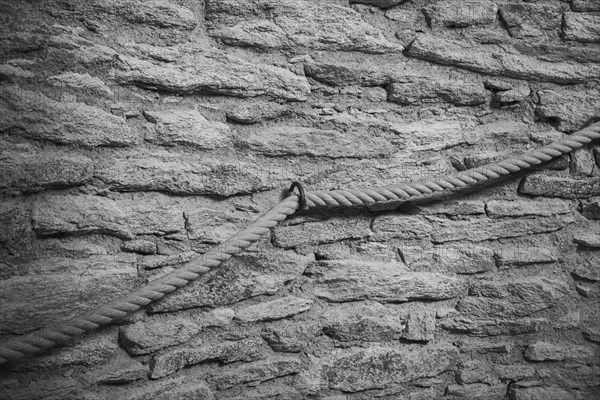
[[378, 367], [542, 351], [512, 299], [187, 128], [328, 231], [159, 13], [190, 68], [227, 352], [286, 24], [526, 21], [554, 186], [417, 91], [496, 60], [461, 15], [33, 115], [572, 110], [581, 27], [273, 310], [259, 371], [148, 337], [350, 280], [493, 327]]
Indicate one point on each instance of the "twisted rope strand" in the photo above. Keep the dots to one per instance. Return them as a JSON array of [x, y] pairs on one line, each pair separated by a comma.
[[51, 336]]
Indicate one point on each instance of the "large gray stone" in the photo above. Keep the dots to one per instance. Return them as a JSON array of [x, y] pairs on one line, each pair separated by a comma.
[[35, 116], [85, 83], [57, 214], [461, 14], [159, 13], [241, 278], [498, 60], [379, 367], [555, 186], [533, 21], [476, 391], [289, 24], [543, 351], [302, 141], [30, 301], [527, 208], [477, 230], [493, 327], [187, 128], [180, 388], [459, 259], [328, 231], [582, 27], [34, 171], [148, 337], [283, 307], [190, 68], [374, 322], [226, 352], [260, 371], [418, 91], [351, 280], [571, 109], [498, 299]]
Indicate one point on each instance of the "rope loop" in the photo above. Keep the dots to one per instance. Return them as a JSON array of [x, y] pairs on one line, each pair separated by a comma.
[[302, 195]]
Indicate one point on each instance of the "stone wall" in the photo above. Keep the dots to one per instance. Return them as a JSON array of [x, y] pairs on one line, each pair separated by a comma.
[[138, 134]]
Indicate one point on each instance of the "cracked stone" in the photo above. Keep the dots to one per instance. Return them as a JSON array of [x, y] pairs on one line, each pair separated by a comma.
[[328, 231], [493, 327], [527, 208], [84, 82], [260, 371], [159, 13], [121, 371], [587, 239], [572, 110], [476, 391], [519, 256]]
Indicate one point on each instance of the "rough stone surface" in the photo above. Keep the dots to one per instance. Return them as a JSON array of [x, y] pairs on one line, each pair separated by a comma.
[[530, 20], [276, 309], [581, 27], [299, 141], [33, 115], [496, 60], [81, 284], [190, 68], [373, 322], [514, 299], [148, 337], [137, 135], [227, 352], [477, 230], [470, 259], [349, 280], [188, 128], [526, 208], [259, 371], [553, 186], [417, 91], [461, 15], [290, 24], [54, 215], [587, 239], [378, 367], [543, 351], [331, 230], [572, 110], [242, 278]]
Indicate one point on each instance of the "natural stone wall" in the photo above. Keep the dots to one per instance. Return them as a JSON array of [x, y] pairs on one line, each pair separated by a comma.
[[136, 135]]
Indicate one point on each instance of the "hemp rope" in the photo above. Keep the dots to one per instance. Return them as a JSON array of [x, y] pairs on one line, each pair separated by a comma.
[[60, 333]]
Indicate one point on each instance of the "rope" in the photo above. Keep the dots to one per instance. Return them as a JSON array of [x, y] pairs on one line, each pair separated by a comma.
[[60, 333]]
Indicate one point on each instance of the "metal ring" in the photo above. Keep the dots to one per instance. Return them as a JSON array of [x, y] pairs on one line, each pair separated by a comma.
[[302, 200]]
